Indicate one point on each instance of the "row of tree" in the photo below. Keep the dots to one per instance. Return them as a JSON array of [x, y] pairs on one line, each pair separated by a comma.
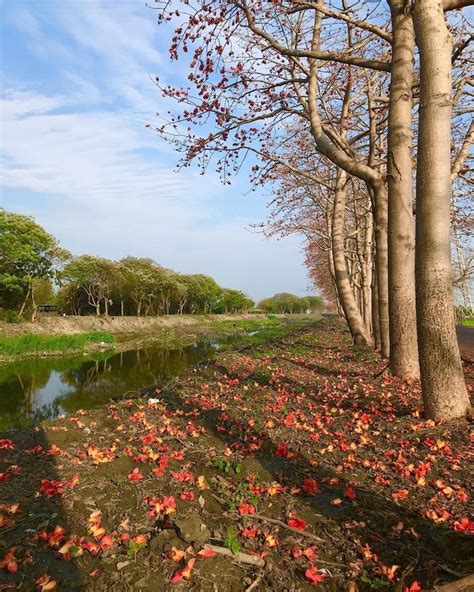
[[285, 303], [139, 286], [327, 101], [31, 261]]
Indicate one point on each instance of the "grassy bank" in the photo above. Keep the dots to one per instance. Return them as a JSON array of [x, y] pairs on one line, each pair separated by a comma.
[[32, 343], [254, 332], [169, 334]]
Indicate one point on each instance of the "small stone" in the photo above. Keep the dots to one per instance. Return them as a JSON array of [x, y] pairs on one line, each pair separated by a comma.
[[163, 542], [192, 530], [122, 564]]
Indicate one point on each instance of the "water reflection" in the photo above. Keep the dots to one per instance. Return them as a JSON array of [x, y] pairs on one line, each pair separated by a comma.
[[44, 388]]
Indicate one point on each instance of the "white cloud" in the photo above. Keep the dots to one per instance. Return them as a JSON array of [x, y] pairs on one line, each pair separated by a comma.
[[102, 183]]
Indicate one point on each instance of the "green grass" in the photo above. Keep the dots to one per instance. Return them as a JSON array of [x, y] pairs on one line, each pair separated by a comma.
[[32, 343], [468, 323]]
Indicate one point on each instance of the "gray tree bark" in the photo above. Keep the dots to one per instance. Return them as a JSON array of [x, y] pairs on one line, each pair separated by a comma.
[[401, 239], [343, 285], [442, 379]]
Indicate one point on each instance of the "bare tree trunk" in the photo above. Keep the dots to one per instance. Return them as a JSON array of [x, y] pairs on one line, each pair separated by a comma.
[[381, 263], [33, 305], [367, 272], [122, 308], [23, 306], [401, 239], [375, 312], [344, 289], [442, 379]]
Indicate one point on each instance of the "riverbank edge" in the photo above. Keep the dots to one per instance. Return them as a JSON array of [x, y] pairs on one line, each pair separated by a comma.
[[166, 332], [69, 325]]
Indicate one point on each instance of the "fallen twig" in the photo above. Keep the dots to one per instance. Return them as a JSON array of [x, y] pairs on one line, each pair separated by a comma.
[[464, 585], [240, 557], [255, 583], [303, 533]]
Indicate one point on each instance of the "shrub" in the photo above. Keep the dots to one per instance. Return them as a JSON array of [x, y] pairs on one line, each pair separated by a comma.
[[10, 316]]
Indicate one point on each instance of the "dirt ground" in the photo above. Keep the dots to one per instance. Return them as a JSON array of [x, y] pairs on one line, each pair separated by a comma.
[[289, 466]]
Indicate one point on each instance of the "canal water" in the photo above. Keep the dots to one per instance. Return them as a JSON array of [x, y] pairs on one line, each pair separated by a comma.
[[44, 388]]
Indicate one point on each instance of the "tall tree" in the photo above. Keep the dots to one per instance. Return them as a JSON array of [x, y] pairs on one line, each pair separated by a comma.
[[401, 263], [444, 389]]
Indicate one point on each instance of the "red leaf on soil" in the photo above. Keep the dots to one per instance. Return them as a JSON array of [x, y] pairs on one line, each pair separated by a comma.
[[349, 492], [250, 533], [6, 444], [106, 542], [135, 475], [246, 508], [187, 496], [400, 495], [183, 476], [9, 562], [183, 573], [464, 525], [310, 486], [206, 553], [415, 587], [282, 450], [297, 523], [49, 488], [313, 575]]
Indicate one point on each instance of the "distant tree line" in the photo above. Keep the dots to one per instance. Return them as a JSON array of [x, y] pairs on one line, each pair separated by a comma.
[[31, 263], [35, 270], [140, 286], [291, 304]]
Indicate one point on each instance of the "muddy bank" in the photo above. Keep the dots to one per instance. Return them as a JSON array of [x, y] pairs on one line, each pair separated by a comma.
[[55, 325], [128, 333]]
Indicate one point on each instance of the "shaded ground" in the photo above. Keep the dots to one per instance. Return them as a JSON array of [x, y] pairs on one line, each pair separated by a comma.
[[291, 452], [466, 342]]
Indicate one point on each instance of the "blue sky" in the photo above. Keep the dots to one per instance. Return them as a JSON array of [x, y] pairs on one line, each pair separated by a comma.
[[75, 153]]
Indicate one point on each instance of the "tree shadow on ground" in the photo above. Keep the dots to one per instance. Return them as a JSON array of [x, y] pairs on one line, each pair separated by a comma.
[[396, 532], [24, 466]]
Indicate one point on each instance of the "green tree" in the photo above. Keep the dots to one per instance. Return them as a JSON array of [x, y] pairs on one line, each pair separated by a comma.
[[315, 303], [140, 280], [289, 303], [27, 254], [94, 277], [232, 301]]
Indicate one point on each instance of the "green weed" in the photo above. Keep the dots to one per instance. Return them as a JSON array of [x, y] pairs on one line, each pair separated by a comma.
[[33, 343]]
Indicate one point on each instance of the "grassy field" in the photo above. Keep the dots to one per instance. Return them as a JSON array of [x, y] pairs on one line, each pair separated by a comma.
[[32, 343], [468, 323]]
